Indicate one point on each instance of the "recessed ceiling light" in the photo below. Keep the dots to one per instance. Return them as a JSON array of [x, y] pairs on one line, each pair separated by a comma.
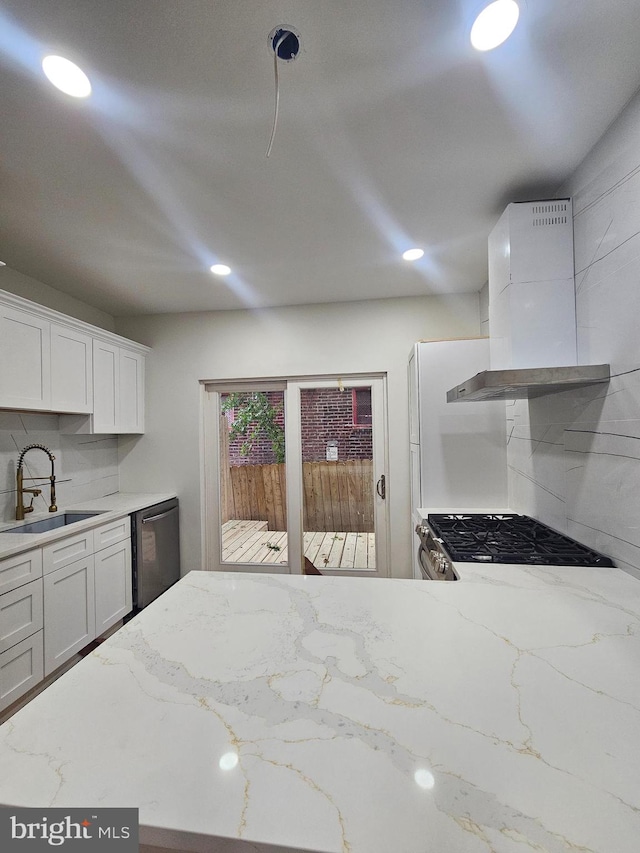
[[2, 264], [413, 254], [66, 76], [494, 24], [220, 269]]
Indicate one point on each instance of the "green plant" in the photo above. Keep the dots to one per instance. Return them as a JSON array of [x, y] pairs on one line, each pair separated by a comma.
[[255, 414]]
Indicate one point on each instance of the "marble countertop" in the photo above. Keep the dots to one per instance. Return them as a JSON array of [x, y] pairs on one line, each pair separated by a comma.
[[254, 712], [110, 508]]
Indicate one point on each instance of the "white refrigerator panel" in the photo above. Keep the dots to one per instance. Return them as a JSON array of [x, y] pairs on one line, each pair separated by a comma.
[[463, 450]]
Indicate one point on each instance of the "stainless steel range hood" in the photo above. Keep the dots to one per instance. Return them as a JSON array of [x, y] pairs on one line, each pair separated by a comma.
[[525, 383]]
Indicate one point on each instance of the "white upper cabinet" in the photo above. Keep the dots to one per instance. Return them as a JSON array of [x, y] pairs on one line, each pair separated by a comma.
[[118, 383], [25, 358], [53, 363], [71, 370], [131, 391], [106, 384]]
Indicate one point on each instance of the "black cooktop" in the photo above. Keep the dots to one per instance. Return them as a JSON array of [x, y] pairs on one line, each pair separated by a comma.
[[507, 538]]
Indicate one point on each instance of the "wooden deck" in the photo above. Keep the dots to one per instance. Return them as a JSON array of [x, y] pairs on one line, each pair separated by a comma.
[[252, 542]]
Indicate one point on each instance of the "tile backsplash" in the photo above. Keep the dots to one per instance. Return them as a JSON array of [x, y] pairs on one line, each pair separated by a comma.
[[86, 466], [574, 457]]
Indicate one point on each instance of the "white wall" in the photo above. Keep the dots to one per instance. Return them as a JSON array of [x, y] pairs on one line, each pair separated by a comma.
[[340, 338], [30, 288], [86, 466], [574, 458]]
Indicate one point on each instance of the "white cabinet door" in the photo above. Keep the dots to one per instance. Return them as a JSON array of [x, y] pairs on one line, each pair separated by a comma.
[[106, 387], [69, 612], [20, 669], [131, 391], [25, 377], [71, 370], [112, 585], [118, 393]]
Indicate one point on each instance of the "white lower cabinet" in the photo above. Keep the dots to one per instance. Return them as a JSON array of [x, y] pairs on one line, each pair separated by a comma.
[[113, 594], [21, 668], [69, 612], [85, 597], [21, 619], [56, 599]]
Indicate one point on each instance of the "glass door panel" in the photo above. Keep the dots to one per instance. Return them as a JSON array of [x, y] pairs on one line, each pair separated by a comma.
[[338, 477], [252, 477]]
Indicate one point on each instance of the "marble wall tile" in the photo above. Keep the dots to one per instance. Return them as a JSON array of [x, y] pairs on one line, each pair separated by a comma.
[[603, 484], [86, 467], [607, 307], [574, 457], [606, 224], [535, 459], [91, 466]]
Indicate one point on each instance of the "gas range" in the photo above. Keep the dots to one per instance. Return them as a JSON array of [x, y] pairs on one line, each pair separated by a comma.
[[496, 538]]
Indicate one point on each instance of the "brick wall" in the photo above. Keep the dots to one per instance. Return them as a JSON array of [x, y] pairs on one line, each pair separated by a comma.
[[327, 415]]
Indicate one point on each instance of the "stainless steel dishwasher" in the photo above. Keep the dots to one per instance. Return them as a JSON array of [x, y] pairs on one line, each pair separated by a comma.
[[155, 547]]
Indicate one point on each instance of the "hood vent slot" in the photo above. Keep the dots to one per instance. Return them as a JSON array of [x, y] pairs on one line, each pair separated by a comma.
[[550, 214]]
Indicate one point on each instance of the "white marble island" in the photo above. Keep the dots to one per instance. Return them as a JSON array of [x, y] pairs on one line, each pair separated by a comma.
[[499, 713]]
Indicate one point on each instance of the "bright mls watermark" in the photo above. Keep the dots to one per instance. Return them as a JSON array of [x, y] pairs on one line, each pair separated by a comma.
[[93, 829]]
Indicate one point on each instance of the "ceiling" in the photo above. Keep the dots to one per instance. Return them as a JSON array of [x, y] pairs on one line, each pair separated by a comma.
[[392, 133]]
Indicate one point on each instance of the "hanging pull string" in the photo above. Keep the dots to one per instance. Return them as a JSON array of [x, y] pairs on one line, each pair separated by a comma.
[[277, 104]]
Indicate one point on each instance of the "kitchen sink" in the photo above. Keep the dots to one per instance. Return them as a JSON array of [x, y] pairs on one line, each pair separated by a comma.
[[46, 524]]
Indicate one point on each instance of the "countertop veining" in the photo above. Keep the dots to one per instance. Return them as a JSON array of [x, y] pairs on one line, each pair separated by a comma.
[[500, 713]]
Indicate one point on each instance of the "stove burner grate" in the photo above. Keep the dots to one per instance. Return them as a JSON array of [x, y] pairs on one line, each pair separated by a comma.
[[502, 538]]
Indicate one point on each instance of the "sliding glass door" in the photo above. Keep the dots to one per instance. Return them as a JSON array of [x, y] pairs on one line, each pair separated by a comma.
[[295, 476]]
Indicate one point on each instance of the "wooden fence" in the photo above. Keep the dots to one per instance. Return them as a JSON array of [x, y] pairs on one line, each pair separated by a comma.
[[338, 496]]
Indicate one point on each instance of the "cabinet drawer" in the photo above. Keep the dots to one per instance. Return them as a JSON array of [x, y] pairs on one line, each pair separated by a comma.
[[109, 534], [20, 614], [20, 569], [66, 551], [21, 668]]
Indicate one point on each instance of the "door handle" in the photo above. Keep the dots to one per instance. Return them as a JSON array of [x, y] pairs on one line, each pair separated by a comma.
[[153, 518], [381, 486]]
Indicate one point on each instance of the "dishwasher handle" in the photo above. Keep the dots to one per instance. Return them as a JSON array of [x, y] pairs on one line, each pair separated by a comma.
[[158, 517]]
